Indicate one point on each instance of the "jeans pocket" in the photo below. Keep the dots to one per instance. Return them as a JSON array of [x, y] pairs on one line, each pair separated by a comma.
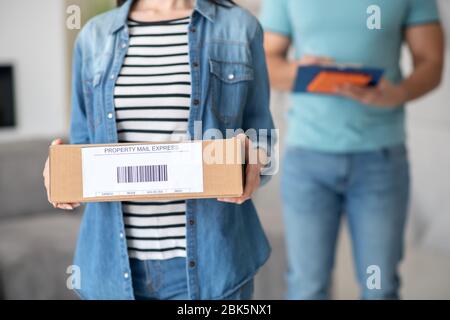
[[153, 275]]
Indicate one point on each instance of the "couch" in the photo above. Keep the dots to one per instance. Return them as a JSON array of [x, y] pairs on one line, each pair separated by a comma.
[[36, 241]]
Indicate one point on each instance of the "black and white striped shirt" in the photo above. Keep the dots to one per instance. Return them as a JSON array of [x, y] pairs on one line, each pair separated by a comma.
[[152, 99]]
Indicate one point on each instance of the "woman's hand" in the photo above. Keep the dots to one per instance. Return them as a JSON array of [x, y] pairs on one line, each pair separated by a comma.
[[46, 174], [386, 94], [252, 172]]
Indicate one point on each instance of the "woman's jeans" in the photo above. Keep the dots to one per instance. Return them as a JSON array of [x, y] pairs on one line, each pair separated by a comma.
[[372, 189], [167, 280]]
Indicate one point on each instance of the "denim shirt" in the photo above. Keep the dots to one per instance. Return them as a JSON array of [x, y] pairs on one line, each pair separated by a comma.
[[225, 243]]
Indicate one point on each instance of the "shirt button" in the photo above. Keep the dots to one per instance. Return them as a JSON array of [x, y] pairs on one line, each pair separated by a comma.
[[192, 264], [230, 76], [126, 275], [196, 102], [193, 30], [195, 64], [112, 77], [191, 222], [124, 45], [121, 235], [110, 115]]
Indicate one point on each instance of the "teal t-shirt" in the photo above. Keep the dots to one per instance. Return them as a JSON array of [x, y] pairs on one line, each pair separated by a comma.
[[340, 30]]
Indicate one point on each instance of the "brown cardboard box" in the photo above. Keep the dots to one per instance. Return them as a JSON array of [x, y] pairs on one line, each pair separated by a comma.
[[221, 178]]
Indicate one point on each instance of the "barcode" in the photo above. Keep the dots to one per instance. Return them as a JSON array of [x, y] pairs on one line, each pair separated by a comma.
[[136, 174]]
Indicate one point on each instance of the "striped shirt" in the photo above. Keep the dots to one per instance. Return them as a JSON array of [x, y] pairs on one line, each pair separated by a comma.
[[152, 99]]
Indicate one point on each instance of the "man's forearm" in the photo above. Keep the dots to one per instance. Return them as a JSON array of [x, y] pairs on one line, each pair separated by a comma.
[[282, 72], [426, 77]]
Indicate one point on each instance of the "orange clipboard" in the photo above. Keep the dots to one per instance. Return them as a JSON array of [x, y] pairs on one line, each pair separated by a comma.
[[328, 81]]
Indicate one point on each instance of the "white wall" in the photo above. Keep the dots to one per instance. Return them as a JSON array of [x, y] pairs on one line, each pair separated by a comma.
[[32, 38], [429, 142]]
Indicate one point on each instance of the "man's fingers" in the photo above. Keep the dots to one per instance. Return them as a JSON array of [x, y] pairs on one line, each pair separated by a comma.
[[325, 61], [309, 59], [354, 92]]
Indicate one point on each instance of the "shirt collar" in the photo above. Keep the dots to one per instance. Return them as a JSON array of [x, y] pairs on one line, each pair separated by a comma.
[[204, 7]]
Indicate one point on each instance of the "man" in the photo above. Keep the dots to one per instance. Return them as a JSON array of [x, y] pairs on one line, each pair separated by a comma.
[[346, 152]]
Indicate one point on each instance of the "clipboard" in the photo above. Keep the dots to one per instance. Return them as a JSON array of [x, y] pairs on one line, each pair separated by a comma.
[[319, 79]]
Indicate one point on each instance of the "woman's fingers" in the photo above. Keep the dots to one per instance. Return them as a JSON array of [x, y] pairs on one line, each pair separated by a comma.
[[46, 175], [252, 183], [239, 200], [65, 206], [57, 141], [228, 200]]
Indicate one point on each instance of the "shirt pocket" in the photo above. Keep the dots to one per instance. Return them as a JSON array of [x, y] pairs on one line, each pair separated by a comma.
[[229, 83], [92, 100]]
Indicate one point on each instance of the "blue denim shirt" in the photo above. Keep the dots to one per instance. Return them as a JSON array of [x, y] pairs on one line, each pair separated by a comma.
[[225, 242]]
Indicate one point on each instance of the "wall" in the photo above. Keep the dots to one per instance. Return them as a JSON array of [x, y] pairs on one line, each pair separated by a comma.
[[429, 141], [32, 38]]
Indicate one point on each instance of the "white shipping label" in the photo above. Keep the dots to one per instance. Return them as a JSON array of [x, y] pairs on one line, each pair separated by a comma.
[[142, 169]]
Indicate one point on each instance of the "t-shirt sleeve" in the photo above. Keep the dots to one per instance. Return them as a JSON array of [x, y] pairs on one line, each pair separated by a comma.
[[422, 12], [274, 17]]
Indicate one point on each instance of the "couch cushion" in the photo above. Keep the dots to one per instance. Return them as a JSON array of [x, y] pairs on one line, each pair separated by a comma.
[[35, 252], [21, 183]]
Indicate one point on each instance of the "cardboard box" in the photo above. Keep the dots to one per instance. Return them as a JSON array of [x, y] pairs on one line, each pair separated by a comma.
[[137, 171]]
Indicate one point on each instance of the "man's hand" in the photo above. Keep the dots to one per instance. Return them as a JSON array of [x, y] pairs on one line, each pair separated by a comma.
[[426, 43], [307, 60], [282, 71], [255, 159], [385, 95]]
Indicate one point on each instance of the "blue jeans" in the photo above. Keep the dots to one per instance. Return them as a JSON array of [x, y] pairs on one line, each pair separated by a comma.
[[372, 189], [167, 280]]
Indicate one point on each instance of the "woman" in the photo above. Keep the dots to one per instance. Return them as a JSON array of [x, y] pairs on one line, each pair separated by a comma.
[[146, 72]]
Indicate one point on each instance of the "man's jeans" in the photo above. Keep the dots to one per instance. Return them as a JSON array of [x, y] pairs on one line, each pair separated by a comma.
[[372, 189]]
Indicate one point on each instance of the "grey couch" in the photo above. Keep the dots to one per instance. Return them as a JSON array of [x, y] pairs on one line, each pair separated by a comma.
[[36, 241]]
